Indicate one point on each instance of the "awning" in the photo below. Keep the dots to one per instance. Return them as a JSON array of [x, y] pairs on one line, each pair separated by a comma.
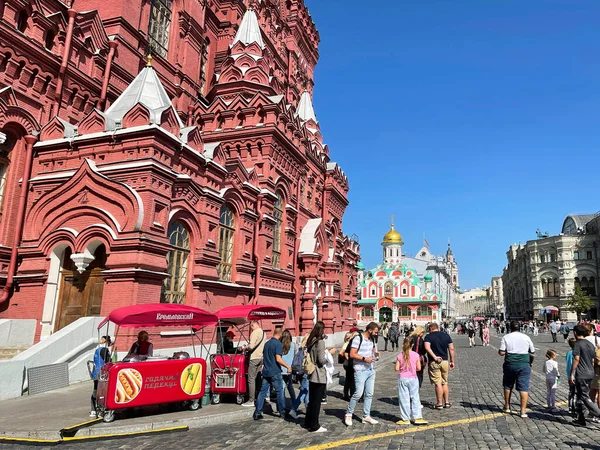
[[549, 310], [160, 315]]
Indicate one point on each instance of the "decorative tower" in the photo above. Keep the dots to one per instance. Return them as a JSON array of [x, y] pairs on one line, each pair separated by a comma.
[[392, 246], [452, 266]]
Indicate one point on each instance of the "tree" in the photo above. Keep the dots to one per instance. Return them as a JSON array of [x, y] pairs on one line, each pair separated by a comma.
[[579, 302]]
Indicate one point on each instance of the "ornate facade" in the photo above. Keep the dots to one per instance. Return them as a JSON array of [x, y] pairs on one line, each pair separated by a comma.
[[199, 175], [406, 289], [542, 274]]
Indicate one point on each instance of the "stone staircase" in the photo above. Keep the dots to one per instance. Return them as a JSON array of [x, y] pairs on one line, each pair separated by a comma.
[[10, 352]]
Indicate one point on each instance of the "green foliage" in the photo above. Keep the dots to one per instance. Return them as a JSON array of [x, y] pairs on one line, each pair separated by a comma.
[[579, 302]]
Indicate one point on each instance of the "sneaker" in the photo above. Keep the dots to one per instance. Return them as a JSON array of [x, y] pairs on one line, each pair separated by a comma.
[[370, 420], [578, 423], [258, 417], [523, 415], [321, 430], [93, 414], [348, 420], [403, 422], [293, 414], [249, 403], [420, 421]]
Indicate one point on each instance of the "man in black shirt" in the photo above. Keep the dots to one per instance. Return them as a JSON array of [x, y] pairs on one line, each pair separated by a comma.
[[440, 351], [582, 374]]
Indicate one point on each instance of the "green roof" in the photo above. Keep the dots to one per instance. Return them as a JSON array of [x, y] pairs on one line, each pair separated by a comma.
[[367, 301]]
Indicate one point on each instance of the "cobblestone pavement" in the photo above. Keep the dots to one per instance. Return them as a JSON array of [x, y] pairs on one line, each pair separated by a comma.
[[474, 421]]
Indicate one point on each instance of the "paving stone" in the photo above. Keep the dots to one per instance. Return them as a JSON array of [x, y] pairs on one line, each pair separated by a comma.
[[475, 390]]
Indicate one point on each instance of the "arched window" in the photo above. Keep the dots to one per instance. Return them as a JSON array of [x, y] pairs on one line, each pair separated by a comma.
[[204, 66], [49, 40], [174, 286], [277, 229], [404, 290], [556, 288], [226, 230], [5, 148], [22, 19], [389, 289], [367, 312], [159, 27], [424, 311], [592, 286], [404, 311]]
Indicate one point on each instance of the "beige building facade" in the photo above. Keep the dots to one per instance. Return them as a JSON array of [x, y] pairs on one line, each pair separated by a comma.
[[541, 275], [473, 302]]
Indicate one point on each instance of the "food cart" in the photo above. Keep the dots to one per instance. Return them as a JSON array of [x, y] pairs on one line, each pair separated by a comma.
[[156, 379], [229, 372]]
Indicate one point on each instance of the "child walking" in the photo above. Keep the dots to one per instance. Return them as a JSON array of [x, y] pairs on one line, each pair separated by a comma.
[[552, 376], [486, 336], [407, 365], [572, 409]]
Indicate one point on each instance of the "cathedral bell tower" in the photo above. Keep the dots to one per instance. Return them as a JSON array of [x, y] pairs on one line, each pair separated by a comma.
[[392, 246]]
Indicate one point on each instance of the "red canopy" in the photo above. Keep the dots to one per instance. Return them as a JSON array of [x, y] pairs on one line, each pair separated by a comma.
[[160, 315], [244, 313]]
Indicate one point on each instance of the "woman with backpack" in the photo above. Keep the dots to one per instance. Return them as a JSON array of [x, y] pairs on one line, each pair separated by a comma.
[[314, 365], [288, 353], [102, 355], [297, 369]]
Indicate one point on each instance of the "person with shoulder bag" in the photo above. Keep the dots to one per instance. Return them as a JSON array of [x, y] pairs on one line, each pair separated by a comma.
[[314, 365]]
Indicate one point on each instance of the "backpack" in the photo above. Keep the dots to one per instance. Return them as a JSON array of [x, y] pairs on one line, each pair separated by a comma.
[[298, 361], [308, 366], [351, 360]]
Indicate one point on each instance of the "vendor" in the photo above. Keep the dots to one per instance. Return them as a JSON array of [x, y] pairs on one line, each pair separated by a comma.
[[142, 348], [228, 346]]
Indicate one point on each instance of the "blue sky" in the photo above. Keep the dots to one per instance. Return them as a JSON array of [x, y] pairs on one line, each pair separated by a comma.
[[474, 120]]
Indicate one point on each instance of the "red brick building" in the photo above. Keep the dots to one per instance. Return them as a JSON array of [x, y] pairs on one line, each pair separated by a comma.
[[202, 178]]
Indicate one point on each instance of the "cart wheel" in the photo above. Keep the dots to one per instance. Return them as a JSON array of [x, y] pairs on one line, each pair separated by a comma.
[[239, 399], [194, 405], [216, 399], [109, 416]]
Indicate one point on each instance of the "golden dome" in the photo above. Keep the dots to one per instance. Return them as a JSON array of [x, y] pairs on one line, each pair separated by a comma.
[[392, 237]]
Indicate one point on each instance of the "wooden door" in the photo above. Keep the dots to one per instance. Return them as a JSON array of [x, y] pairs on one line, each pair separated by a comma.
[[81, 294]]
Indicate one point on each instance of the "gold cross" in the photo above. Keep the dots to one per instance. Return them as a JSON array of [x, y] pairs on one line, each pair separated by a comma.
[[393, 217]]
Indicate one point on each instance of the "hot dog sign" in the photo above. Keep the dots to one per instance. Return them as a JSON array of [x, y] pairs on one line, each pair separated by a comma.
[[144, 383], [129, 385]]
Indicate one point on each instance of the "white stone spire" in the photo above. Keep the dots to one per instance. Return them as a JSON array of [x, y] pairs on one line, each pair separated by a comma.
[[146, 89], [305, 108], [249, 30]]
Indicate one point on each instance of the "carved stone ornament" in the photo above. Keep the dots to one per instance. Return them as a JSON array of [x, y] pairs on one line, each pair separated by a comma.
[[82, 261]]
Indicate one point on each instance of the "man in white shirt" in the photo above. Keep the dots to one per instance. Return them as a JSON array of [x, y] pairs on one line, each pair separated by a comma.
[[362, 354], [553, 330], [255, 349], [518, 351]]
